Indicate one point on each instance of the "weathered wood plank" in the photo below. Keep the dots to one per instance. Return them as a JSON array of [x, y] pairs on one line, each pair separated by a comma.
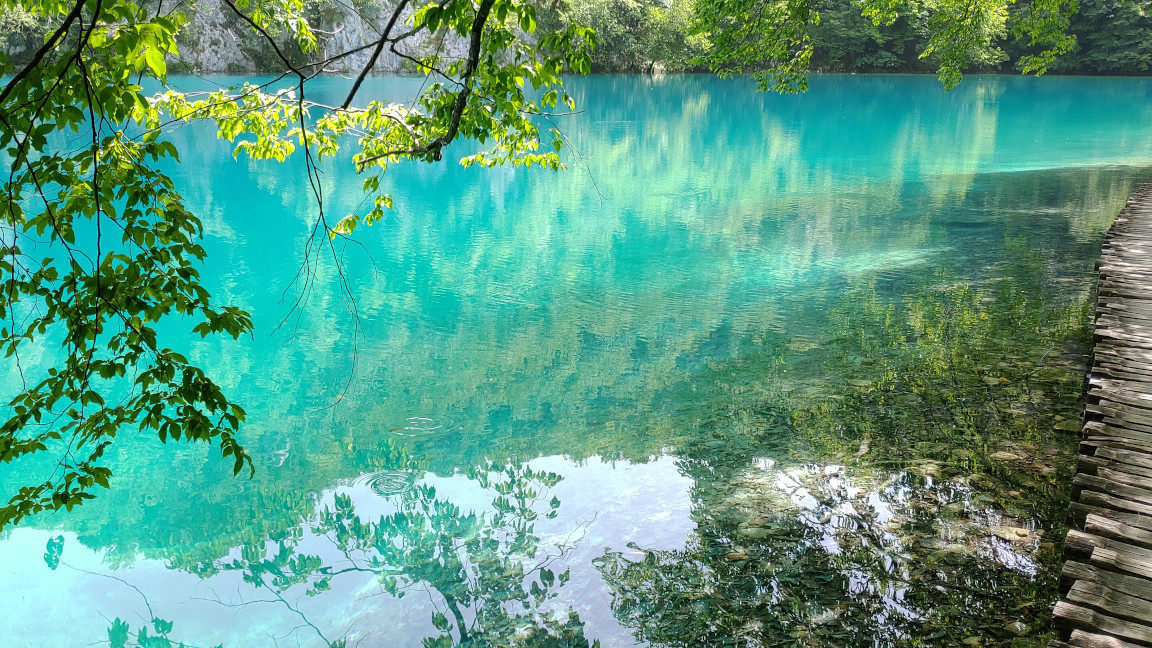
[[1137, 404], [1107, 527], [1081, 618], [1081, 639], [1124, 373], [1131, 585], [1122, 476], [1124, 442], [1100, 428], [1093, 464], [1104, 599], [1122, 561], [1118, 411], [1113, 488], [1103, 500], [1078, 513], [1128, 424], [1126, 457]]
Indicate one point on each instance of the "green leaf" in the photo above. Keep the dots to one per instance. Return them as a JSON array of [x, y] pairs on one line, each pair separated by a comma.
[[155, 60]]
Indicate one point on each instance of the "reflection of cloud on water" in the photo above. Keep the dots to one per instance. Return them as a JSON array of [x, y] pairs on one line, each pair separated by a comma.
[[843, 504]]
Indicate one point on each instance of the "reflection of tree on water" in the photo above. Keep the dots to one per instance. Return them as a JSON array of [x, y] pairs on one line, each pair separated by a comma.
[[154, 633], [829, 563], [922, 517], [489, 578], [485, 572]]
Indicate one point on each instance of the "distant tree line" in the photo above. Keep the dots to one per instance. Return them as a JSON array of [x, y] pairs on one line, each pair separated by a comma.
[[1112, 37]]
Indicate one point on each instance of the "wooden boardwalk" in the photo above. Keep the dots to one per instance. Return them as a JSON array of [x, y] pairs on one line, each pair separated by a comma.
[[1106, 580]]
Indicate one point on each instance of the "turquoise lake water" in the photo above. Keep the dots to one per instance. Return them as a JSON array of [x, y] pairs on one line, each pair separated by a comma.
[[756, 370]]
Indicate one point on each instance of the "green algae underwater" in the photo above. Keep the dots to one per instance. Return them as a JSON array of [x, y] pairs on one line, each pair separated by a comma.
[[754, 371]]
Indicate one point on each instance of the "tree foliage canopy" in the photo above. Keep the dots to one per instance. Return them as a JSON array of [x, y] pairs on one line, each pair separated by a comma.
[[774, 39]]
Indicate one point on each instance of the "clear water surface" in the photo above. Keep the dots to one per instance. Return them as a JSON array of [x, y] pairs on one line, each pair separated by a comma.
[[756, 370]]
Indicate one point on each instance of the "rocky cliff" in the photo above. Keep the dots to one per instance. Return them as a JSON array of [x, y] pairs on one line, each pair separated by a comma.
[[214, 41]]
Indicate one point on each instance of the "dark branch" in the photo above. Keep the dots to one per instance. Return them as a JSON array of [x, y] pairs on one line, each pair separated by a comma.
[[435, 146], [44, 49], [268, 37], [375, 54]]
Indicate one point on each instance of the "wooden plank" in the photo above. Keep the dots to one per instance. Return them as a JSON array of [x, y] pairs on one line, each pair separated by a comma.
[[1119, 350], [1104, 357], [1120, 285], [1121, 476], [1081, 639], [1113, 361], [1127, 562], [1126, 424], [1078, 513], [1117, 347], [1100, 428], [1125, 457], [1124, 312], [1105, 500], [1131, 334], [1113, 488], [1119, 412], [1125, 330], [1124, 391], [1108, 527], [1082, 618], [1073, 571], [1129, 339], [1138, 405], [1108, 354], [1093, 464], [1125, 373], [1121, 442], [1107, 600]]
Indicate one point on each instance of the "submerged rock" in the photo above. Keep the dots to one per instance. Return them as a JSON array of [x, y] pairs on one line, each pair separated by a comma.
[[981, 481], [1011, 534], [954, 549], [824, 617], [1018, 628], [753, 532], [954, 509]]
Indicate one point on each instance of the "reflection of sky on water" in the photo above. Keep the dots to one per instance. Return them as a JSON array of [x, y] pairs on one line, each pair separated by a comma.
[[605, 505]]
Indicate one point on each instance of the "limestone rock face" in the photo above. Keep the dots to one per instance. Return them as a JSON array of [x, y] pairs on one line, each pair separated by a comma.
[[215, 41]]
